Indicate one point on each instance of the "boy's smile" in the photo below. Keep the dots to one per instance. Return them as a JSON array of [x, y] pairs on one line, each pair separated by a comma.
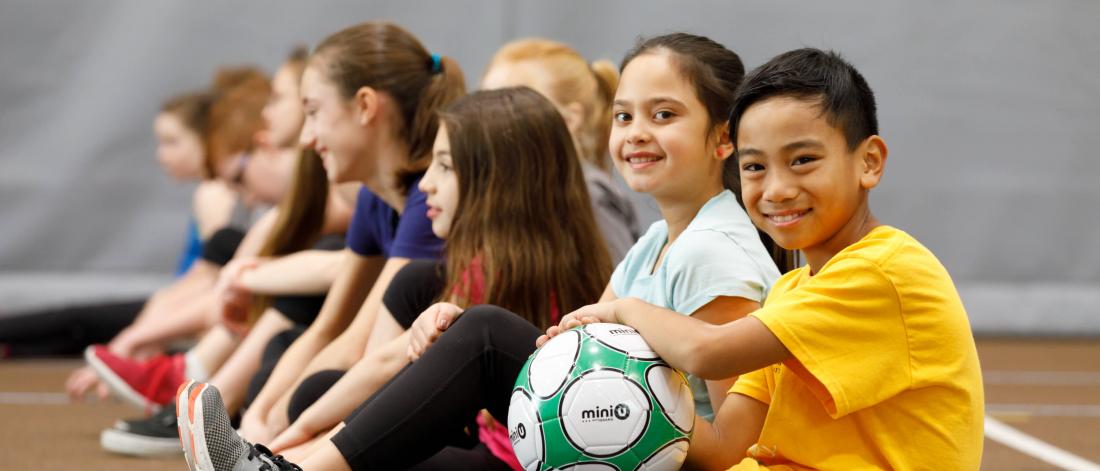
[[800, 182]]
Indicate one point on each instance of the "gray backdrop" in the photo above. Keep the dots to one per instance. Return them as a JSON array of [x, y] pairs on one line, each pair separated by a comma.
[[989, 110]]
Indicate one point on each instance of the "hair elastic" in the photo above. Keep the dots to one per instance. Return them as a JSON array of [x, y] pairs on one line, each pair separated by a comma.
[[437, 64]]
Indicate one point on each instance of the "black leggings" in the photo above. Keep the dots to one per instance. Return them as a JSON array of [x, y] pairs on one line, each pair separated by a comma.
[[414, 288], [69, 330], [65, 331], [472, 366]]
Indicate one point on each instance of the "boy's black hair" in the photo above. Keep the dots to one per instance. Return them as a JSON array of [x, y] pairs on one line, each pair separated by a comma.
[[812, 74]]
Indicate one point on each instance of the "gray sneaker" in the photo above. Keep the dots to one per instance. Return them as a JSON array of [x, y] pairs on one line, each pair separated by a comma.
[[183, 431], [211, 442]]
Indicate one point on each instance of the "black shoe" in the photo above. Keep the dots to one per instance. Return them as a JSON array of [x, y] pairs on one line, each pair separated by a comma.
[[154, 436]]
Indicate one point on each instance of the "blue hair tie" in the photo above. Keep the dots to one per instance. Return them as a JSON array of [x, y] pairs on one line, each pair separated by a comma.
[[437, 64]]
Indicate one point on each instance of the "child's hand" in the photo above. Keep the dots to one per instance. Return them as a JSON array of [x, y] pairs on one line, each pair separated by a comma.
[[233, 296], [429, 325], [590, 314]]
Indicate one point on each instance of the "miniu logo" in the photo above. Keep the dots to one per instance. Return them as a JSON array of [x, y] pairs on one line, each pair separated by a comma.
[[618, 411], [518, 434]]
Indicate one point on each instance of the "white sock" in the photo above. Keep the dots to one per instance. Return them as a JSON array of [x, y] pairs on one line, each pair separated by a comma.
[[192, 367]]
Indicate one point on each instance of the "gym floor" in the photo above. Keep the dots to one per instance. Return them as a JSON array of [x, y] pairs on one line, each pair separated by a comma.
[[1042, 394]]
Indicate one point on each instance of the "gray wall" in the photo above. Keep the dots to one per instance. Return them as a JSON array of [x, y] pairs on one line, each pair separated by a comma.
[[988, 109]]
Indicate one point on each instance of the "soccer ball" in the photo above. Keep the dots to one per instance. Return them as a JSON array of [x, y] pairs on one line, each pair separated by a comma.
[[598, 398]]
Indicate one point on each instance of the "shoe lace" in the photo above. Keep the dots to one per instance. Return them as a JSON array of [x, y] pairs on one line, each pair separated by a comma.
[[268, 460]]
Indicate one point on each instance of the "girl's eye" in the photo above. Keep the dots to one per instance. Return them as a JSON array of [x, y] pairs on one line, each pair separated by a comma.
[[803, 160], [622, 117], [751, 167], [663, 115]]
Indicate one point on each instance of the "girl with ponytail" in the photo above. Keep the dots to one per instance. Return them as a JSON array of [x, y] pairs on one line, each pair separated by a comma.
[[370, 94]]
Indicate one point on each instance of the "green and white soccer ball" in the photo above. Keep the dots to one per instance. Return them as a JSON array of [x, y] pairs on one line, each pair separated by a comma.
[[598, 398]]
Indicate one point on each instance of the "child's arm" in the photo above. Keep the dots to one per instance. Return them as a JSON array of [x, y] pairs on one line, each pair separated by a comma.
[[299, 273], [714, 351], [724, 443]]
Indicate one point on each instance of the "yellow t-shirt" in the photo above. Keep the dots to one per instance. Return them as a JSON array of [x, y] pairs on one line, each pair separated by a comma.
[[885, 373]]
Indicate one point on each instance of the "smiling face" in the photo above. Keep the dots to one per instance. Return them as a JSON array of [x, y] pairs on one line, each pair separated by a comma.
[[179, 149], [440, 184], [283, 113], [662, 141], [332, 127], [800, 181]]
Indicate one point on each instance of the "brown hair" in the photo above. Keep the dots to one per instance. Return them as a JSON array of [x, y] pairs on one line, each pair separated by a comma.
[[715, 72], [572, 79], [301, 216], [235, 114], [515, 189], [192, 109], [389, 59], [297, 60]]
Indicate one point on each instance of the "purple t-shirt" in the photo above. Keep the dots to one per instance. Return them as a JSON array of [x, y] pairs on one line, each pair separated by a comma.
[[377, 229]]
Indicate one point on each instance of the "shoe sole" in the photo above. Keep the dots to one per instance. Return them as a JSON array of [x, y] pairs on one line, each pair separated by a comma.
[[117, 385], [195, 431], [182, 425], [124, 443]]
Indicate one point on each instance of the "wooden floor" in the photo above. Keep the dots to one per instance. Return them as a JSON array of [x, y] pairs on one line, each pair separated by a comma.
[[1046, 389]]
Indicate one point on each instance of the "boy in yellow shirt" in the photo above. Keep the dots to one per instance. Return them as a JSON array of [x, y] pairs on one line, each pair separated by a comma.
[[863, 358]]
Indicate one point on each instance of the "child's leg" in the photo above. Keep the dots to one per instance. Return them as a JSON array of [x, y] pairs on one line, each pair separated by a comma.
[[472, 366], [233, 377]]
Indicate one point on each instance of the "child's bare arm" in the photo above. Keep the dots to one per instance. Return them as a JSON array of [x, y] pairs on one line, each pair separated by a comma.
[[702, 349], [736, 427]]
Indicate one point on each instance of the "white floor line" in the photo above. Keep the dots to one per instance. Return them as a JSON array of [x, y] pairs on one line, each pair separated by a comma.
[[997, 431], [32, 398], [1042, 378], [1046, 410]]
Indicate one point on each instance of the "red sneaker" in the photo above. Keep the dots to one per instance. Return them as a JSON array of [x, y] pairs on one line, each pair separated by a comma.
[[147, 385]]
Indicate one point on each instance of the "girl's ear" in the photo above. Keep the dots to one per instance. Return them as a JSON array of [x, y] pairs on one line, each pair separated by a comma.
[[365, 105], [724, 149], [574, 117], [873, 154]]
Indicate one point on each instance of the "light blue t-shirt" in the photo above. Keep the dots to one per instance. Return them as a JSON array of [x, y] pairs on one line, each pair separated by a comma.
[[719, 254]]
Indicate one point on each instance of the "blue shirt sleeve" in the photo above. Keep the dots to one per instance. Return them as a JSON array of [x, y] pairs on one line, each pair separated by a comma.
[[704, 265], [192, 251], [361, 239], [414, 238]]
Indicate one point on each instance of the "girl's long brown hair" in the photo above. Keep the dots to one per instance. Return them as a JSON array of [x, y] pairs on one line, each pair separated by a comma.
[[302, 209], [389, 59], [301, 217], [523, 211]]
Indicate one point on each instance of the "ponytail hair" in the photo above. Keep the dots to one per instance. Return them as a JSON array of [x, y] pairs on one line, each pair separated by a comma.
[[571, 79], [391, 60], [715, 72]]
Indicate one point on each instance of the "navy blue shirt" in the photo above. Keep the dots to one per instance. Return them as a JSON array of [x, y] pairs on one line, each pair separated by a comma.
[[377, 229]]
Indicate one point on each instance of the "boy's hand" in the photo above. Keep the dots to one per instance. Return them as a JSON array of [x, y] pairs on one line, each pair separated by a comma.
[[590, 314], [428, 327]]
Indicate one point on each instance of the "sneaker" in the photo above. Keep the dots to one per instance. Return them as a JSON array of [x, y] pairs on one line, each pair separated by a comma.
[[154, 436], [213, 445], [181, 420], [147, 385]]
